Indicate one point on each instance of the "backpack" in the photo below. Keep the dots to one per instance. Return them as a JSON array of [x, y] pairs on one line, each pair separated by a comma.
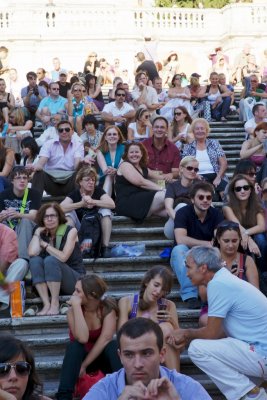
[[90, 235]]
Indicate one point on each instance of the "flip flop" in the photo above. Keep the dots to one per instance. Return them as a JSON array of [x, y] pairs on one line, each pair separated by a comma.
[[31, 311]]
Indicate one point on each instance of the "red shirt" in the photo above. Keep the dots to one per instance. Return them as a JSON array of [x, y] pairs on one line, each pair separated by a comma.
[[162, 160]]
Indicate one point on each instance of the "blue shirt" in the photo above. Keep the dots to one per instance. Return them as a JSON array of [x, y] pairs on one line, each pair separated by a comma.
[[54, 105], [244, 313], [112, 386]]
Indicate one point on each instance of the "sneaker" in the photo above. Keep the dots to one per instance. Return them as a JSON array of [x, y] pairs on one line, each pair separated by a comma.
[[193, 303], [260, 396], [105, 252]]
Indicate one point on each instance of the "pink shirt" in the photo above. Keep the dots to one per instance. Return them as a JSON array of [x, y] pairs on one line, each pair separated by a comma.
[[8, 244], [57, 158]]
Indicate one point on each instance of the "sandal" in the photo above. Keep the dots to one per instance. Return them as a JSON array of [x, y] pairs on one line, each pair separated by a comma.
[[31, 311], [63, 310]]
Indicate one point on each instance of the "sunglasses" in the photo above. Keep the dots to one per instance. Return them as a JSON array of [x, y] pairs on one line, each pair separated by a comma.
[[202, 197], [177, 113], [61, 130], [21, 368], [121, 94], [245, 187], [189, 168], [251, 174]]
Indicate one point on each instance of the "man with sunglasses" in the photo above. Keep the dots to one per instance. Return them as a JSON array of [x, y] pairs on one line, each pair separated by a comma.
[[118, 112], [59, 159], [194, 225], [51, 105]]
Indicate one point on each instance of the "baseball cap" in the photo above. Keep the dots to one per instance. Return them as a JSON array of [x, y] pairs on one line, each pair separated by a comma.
[[63, 72]]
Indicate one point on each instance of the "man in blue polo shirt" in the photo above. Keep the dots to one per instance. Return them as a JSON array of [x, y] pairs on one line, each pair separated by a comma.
[[194, 225], [51, 105]]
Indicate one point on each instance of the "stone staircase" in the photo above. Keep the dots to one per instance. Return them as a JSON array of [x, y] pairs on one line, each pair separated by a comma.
[[47, 336]]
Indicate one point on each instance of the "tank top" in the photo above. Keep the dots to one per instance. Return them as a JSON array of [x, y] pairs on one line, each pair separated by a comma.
[[134, 309]]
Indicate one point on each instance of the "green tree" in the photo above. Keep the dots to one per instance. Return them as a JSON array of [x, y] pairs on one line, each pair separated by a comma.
[[195, 3]]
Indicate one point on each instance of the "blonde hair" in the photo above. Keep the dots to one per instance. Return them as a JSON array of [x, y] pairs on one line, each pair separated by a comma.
[[186, 160], [200, 121]]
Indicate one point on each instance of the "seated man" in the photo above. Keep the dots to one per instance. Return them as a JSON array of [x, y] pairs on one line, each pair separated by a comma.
[[89, 198], [194, 225], [163, 155], [252, 93], [118, 112], [144, 94], [18, 208], [259, 115], [141, 352], [32, 95], [59, 158], [232, 348], [12, 267], [51, 105]]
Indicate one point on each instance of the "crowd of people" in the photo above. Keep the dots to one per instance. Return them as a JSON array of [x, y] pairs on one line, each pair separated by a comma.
[[138, 153]]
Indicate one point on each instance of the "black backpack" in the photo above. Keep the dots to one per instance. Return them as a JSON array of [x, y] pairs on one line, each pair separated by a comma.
[[90, 229]]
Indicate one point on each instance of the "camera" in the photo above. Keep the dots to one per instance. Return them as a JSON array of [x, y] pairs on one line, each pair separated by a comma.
[[36, 91]]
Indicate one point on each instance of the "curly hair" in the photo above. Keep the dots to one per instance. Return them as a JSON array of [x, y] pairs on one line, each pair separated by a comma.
[[41, 213]]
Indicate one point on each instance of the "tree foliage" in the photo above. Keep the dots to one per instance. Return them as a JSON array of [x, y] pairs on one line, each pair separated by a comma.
[[195, 3]]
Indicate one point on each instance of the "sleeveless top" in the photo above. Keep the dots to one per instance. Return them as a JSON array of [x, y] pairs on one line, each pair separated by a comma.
[[134, 309], [133, 126]]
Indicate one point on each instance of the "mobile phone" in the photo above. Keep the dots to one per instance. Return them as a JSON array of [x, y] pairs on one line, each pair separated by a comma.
[[234, 268], [162, 307]]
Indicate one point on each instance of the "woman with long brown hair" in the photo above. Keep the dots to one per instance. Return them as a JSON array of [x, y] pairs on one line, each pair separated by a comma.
[[179, 132]]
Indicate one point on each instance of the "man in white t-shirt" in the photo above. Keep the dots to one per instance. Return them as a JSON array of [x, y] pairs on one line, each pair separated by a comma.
[[118, 112], [259, 115], [232, 348]]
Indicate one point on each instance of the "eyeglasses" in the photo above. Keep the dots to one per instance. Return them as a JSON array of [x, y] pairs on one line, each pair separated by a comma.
[[251, 174], [202, 197], [21, 178], [121, 94], [177, 113], [50, 216], [245, 187], [88, 180], [61, 130], [189, 168], [55, 88], [21, 368]]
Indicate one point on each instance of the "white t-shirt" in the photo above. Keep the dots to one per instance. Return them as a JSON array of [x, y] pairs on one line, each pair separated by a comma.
[[242, 306], [205, 166], [115, 111]]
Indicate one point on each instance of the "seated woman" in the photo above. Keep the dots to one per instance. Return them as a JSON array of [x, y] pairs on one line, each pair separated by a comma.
[[179, 131], [219, 97], [254, 148], [91, 136], [179, 96], [137, 196], [94, 91], [210, 155], [141, 128], [17, 130], [92, 320], [199, 102], [171, 67], [151, 303], [89, 198], [76, 107], [55, 257], [244, 208], [228, 240], [7, 162], [18, 378], [109, 156], [3, 126], [177, 193], [30, 151], [7, 100]]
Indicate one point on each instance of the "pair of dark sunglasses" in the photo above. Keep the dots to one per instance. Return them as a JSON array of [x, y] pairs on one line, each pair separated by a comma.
[[21, 368], [201, 197], [189, 168], [61, 130], [246, 188]]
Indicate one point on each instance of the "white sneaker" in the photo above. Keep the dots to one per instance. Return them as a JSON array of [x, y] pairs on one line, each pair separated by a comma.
[[260, 396]]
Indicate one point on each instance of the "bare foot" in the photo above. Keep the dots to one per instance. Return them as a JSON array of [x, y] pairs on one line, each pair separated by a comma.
[[53, 310], [44, 310]]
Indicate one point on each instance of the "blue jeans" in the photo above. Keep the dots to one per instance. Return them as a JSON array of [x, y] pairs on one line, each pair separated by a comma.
[[187, 290], [222, 109], [261, 240], [4, 183]]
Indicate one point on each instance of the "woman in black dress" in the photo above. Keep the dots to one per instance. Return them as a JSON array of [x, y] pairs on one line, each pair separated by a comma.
[[136, 195]]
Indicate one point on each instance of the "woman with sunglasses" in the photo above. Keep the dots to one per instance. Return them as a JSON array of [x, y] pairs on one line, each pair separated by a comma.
[[244, 208], [255, 149], [177, 193], [18, 376], [179, 132], [94, 90], [137, 196], [92, 319], [210, 155], [151, 303], [179, 96], [109, 156], [142, 128], [76, 106], [228, 240], [55, 257]]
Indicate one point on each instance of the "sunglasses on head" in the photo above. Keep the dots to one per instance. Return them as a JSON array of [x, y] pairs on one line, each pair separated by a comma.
[[245, 187], [189, 168], [228, 224], [61, 130], [202, 197], [21, 368]]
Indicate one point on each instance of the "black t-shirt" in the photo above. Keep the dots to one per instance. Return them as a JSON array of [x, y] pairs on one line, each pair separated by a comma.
[[9, 199], [63, 89], [179, 193], [150, 68], [186, 218], [75, 196]]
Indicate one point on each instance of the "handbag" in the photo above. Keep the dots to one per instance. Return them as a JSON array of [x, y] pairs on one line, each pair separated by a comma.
[[59, 176], [85, 382]]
